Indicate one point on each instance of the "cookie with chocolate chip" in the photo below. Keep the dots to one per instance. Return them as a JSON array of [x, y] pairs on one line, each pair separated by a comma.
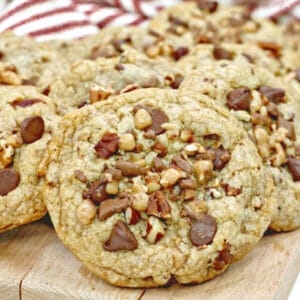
[[33, 63], [209, 22], [92, 81], [270, 114], [27, 120], [154, 186]]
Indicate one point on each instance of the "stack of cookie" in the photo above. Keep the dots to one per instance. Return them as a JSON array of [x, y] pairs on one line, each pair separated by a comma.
[[162, 154]]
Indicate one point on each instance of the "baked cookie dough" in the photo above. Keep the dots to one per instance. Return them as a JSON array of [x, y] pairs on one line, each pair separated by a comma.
[[154, 186], [209, 22], [270, 115], [27, 120], [36, 64], [92, 81]]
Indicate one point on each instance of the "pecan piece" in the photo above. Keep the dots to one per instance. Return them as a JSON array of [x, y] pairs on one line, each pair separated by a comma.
[[209, 6], [121, 238], [221, 158], [130, 169], [180, 52], [157, 164], [158, 205], [108, 145], [231, 191], [281, 122], [182, 164], [224, 257], [155, 230], [220, 53], [188, 184], [160, 149]]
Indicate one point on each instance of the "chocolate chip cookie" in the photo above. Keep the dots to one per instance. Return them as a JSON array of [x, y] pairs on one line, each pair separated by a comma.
[[209, 22], [92, 81], [156, 186], [35, 64], [27, 119], [270, 115]]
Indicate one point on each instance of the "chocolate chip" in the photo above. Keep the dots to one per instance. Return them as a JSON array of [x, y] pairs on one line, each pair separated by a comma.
[[182, 164], [224, 257], [108, 145], [32, 129], [298, 74], [294, 167], [9, 180], [160, 149], [180, 52], [121, 238], [209, 6], [158, 205], [220, 157], [203, 230], [157, 164], [239, 99], [220, 53], [130, 169], [176, 82], [158, 118], [25, 102], [272, 94], [281, 122], [46, 91], [96, 191], [188, 184], [109, 207], [79, 175]]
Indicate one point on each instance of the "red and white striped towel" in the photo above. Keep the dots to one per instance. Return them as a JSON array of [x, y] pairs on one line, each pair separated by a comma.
[[71, 19]]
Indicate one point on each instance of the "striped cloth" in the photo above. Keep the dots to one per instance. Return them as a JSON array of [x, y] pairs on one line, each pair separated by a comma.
[[71, 19]]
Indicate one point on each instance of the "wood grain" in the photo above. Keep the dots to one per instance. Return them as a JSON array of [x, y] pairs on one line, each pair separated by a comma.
[[35, 265]]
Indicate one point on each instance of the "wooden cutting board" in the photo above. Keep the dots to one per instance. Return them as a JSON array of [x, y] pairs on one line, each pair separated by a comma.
[[35, 265]]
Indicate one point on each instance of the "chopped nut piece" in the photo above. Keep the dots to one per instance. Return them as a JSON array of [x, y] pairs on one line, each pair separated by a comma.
[[140, 201], [231, 191], [112, 188], [194, 209], [121, 238], [115, 173], [112, 206], [203, 170], [220, 53], [132, 216], [187, 135], [189, 194], [157, 164], [180, 52], [193, 149], [142, 119], [203, 230], [169, 177], [182, 164], [108, 145], [155, 230], [80, 176], [153, 187], [209, 6], [130, 169], [281, 122], [188, 184], [127, 142], [224, 257], [160, 149], [86, 212], [221, 158], [263, 142], [158, 205]]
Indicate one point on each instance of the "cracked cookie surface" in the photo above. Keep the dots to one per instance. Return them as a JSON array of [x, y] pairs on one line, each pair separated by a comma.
[[156, 185], [27, 120], [270, 114]]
